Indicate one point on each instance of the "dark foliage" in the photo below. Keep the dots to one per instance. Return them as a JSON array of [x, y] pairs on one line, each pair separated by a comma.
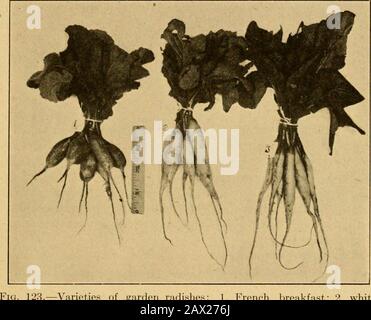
[[197, 68], [92, 68], [303, 71]]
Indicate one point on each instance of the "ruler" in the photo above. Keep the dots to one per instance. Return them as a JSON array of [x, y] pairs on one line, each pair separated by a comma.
[[137, 180]]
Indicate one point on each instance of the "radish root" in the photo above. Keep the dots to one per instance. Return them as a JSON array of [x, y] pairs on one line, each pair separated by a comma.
[[37, 174], [88, 149], [64, 177], [84, 195], [289, 171], [199, 169]]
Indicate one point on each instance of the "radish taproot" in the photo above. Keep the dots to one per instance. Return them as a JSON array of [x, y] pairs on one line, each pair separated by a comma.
[[101, 152], [78, 150], [88, 168]]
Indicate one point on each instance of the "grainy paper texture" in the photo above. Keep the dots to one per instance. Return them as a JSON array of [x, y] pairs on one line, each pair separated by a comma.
[[35, 232]]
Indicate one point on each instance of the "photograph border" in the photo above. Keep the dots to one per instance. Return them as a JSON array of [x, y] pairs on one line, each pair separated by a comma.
[[163, 283]]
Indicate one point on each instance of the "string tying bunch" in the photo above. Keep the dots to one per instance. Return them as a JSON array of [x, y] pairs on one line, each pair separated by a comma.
[[285, 120]]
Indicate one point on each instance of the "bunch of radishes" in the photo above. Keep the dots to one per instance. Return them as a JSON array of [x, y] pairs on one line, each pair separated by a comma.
[[97, 72]]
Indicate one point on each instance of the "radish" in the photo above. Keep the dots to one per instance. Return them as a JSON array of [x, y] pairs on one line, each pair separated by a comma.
[[304, 73], [97, 72], [56, 155], [106, 177], [202, 171], [78, 150], [198, 68]]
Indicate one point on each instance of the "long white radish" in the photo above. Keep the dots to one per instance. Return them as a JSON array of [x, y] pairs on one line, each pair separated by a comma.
[[184, 179], [289, 188], [168, 172], [203, 172], [277, 172], [278, 201], [303, 187], [190, 172], [167, 175], [309, 171], [266, 183], [202, 166]]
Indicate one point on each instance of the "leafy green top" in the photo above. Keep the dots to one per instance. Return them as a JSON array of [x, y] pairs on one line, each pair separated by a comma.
[[197, 68], [92, 68], [304, 70]]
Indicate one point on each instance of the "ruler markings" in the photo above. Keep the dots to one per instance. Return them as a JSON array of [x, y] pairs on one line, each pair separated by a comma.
[[137, 181]]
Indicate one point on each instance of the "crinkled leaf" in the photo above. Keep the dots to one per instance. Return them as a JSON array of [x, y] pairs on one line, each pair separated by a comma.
[[143, 55], [336, 93], [304, 70], [339, 118], [52, 59], [34, 81], [55, 85], [177, 26], [198, 43], [318, 38], [101, 71], [189, 79], [332, 89], [251, 90], [223, 72], [229, 98], [138, 72], [197, 68]]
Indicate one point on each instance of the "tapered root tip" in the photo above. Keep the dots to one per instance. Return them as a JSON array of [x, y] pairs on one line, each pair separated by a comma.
[[166, 238], [224, 264], [36, 175], [80, 230], [250, 267], [320, 257], [361, 131], [250, 273], [63, 175]]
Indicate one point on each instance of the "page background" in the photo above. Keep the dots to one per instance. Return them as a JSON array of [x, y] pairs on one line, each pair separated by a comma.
[[46, 237]]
